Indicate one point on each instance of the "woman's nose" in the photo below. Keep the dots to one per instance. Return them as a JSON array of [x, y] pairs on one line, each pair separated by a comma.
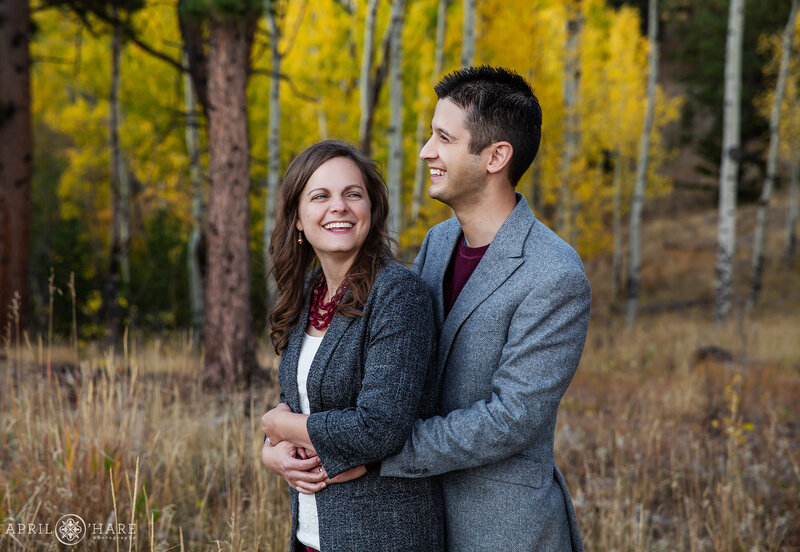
[[338, 205]]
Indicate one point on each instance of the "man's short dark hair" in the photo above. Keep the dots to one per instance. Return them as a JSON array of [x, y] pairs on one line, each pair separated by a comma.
[[499, 105]]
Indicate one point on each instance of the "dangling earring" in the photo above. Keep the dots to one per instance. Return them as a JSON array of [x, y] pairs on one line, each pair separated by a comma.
[[300, 237]]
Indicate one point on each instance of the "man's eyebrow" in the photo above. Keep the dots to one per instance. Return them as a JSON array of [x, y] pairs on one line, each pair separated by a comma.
[[441, 131]]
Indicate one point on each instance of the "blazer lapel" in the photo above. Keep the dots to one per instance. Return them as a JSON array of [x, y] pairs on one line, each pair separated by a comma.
[[502, 258], [291, 355], [437, 266], [336, 330]]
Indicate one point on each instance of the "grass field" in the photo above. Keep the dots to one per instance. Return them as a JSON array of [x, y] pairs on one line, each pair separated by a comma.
[[678, 434]]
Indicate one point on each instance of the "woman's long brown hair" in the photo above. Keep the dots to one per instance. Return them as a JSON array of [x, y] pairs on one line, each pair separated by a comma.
[[292, 261]]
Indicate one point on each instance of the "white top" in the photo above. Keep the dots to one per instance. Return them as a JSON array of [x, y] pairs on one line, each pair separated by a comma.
[[307, 521]]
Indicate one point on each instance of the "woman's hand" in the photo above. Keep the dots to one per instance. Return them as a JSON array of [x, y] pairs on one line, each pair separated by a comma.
[[304, 475], [349, 475], [268, 423], [281, 424]]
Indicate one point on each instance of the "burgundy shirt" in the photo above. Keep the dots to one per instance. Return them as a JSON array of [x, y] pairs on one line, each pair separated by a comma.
[[461, 267]]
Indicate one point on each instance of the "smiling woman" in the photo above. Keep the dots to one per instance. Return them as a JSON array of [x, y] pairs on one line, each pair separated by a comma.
[[356, 339], [334, 215]]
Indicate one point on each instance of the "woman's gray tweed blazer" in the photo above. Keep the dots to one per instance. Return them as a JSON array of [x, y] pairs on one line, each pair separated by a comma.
[[370, 379]]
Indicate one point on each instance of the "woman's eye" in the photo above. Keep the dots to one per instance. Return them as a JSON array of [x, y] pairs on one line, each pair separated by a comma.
[[318, 196]]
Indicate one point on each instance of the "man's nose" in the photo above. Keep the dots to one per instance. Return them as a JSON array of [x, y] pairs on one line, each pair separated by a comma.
[[427, 151]]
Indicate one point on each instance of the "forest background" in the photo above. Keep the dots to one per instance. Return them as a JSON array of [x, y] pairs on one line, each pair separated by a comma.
[[679, 431]]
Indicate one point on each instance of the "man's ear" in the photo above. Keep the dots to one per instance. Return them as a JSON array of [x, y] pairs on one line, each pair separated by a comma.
[[499, 156]]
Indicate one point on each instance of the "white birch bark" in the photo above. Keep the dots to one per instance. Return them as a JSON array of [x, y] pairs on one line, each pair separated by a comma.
[[468, 35], [322, 120], [772, 159], [366, 67], [419, 167], [196, 304], [726, 234], [422, 119], [616, 258], [635, 225], [571, 123], [119, 272], [273, 148], [394, 171], [794, 208]]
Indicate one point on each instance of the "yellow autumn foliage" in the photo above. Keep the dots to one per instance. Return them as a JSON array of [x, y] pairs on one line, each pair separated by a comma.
[[322, 43]]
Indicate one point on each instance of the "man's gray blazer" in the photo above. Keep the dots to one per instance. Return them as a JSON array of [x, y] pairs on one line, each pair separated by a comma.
[[507, 352]]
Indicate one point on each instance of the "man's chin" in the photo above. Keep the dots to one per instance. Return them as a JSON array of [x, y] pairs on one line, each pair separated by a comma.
[[435, 193]]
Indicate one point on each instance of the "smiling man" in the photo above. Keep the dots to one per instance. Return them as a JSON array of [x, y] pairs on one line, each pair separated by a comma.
[[512, 308]]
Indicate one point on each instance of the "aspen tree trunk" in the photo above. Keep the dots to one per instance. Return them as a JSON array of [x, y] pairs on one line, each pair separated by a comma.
[[441, 29], [571, 123], [468, 35], [616, 260], [119, 271], [273, 146], [229, 344], [193, 254], [322, 121], [364, 84], [635, 225], [16, 157], [794, 204], [394, 180], [419, 167], [728, 178], [423, 119], [772, 159]]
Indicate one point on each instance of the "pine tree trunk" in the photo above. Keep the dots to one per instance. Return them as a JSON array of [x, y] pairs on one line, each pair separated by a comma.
[[794, 208], [635, 226], [423, 119], [16, 157], [468, 36], [726, 236], [229, 345], [616, 259], [772, 160], [118, 285], [364, 83], [194, 250], [394, 180], [274, 149], [571, 122]]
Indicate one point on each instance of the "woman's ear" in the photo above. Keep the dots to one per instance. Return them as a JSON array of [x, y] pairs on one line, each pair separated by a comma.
[[299, 226], [499, 156]]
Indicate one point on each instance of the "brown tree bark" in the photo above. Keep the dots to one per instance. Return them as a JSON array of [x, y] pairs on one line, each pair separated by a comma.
[[229, 344], [16, 156]]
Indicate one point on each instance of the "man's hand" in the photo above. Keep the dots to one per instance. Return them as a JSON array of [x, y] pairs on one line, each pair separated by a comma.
[[303, 474], [349, 475]]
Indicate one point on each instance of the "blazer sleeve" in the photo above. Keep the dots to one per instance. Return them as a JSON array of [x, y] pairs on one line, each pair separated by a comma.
[[544, 345], [398, 355]]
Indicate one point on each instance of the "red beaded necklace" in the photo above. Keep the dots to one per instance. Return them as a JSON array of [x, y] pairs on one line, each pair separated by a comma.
[[315, 317]]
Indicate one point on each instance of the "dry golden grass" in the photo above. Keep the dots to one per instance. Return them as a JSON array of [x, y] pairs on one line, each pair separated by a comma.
[[663, 447]]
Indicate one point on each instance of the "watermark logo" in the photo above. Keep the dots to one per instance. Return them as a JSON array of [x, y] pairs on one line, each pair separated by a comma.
[[70, 529]]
